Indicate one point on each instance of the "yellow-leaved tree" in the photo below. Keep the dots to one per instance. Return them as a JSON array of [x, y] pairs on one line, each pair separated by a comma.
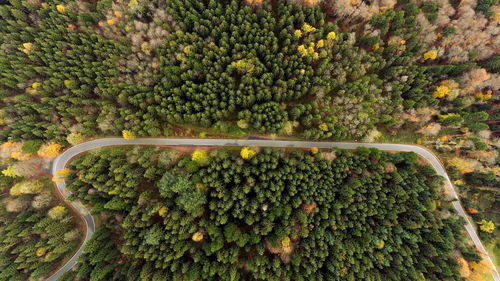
[[63, 172], [197, 236], [75, 138], [57, 212], [128, 135], [247, 153], [27, 187], [50, 150], [9, 172], [200, 156], [486, 226]]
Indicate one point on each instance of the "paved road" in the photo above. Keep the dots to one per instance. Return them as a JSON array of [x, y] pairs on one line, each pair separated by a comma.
[[61, 161]]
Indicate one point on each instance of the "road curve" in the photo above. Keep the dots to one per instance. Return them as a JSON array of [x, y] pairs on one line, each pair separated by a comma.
[[62, 160]]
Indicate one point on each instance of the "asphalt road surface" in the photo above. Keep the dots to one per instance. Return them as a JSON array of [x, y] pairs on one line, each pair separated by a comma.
[[63, 159]]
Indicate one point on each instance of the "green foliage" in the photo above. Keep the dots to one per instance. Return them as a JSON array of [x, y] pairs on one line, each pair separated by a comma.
[[430, 8], [31, 146], [483, 179], [485, 5], [273, 66], [245, 209], [32, 244], [492, 64]]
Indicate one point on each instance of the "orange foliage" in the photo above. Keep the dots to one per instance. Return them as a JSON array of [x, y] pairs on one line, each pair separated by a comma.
[[472, 211], [254, 2], [464, 267], [478, 270], [311, 3], [308, 208]]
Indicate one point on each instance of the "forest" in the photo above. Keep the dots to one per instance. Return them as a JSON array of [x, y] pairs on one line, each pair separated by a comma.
[[38, 231], [422, 72], [97, 68], [266, 214]]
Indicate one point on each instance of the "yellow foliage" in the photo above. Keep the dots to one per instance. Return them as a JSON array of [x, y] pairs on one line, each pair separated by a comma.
[[320, 43], [286, 245], [75, 138], [441, 92], [315, 56], [57, 179], [314, 150], [464, 268], [478, 270], [9, 172], [247, 153], [146, 48], [162, 211], [376, 47], [310, 50], [244, 65], [446, 116], [323, 127], [464, 165], [40, 252], [111, 21], [187, 49], [50, 150], [45, 5], [128, 135], [242, 124], [298, 33], [36, 85], [308, 28], [18, 155], [60, 8], [67, 83], [197, 236], [200, 156], [302, 71], [118, 14], [302, 50], [430, 55], [57, 212], [26, 187], [380, 244], [331, 36], [486, 226], [484, 96], [63, 172], [27, 48], [133, 4]]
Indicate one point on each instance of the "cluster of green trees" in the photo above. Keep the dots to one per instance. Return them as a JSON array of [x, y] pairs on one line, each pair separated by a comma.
[[36, 234], [279, 215], [271, 66], [54, 75]]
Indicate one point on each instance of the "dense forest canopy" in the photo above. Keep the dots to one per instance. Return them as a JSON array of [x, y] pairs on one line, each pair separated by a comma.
[[71, 67], [37, 231], [268, 215], [413, 71]]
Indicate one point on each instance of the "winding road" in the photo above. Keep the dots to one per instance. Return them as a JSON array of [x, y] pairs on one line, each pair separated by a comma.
[[63, 159]]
